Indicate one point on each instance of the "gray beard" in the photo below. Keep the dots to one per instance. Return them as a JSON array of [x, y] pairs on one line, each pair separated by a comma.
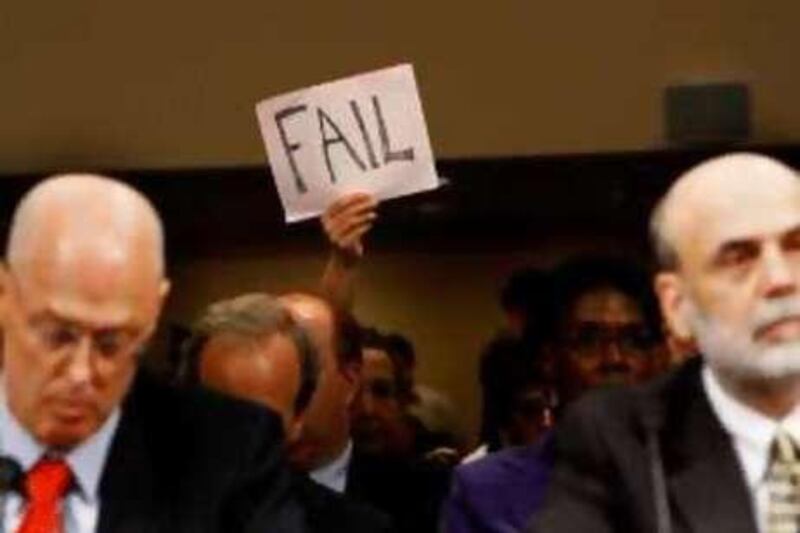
[[737, 354]]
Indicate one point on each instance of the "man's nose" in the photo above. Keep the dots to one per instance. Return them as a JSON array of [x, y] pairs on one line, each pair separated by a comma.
[[367, 402], [79, 370], [613, 353], [778, 275]]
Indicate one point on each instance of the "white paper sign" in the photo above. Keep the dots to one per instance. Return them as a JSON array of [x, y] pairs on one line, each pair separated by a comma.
[[366, 133]]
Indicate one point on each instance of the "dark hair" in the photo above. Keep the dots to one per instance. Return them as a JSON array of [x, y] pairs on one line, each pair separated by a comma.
[[509, 366], [251, 317], [577, 276], [403, 348], [388, 344], [523, 289], [529, 291]]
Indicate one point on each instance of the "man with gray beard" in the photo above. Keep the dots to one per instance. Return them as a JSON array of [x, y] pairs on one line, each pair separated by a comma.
[[713, 446]]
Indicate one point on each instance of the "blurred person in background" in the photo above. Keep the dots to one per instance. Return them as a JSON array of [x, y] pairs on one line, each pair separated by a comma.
[[607, 332], [251, 347]]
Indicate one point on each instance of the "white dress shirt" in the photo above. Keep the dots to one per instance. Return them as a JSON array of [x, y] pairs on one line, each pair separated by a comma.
[[752, 434], [82, 505], [334, 474], [478, 453]]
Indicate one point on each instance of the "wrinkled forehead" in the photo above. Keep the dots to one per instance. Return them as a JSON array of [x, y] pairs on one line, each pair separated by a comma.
[[92, 282], [95, 259]]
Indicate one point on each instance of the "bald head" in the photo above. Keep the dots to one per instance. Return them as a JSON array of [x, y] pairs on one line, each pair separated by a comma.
[[337, 337], [712, 190], [75, 215]]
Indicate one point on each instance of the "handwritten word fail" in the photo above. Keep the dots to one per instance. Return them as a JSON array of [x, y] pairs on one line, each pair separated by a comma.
[[365, 133]]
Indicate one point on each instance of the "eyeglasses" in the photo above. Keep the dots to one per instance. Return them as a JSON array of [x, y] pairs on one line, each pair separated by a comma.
[[382, 389], [590, 338], [54, 334]]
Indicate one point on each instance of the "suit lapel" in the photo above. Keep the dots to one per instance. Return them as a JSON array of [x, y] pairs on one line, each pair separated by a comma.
[[127, 487], [712, 497], [704, 478]]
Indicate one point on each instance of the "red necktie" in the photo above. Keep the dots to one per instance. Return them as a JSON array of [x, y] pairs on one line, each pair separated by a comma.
[[45, 484]]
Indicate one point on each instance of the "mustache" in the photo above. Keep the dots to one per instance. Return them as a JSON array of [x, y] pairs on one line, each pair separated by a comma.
[[773, 311]]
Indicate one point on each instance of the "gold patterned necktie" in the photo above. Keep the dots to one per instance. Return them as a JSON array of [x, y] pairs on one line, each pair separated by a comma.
[[783, 482]]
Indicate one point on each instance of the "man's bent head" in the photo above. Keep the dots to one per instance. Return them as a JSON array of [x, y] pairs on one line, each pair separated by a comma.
[[79, 297]]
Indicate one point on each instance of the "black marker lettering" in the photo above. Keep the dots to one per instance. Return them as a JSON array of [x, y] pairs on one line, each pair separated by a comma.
[[290, 148], [364, 134], [327, 142], [388, 154]]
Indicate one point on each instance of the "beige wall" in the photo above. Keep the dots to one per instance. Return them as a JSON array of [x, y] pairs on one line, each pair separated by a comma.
[[161, 84]]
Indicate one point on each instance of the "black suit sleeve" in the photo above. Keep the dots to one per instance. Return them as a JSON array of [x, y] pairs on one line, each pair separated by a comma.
[[578, 498], [262, 498]]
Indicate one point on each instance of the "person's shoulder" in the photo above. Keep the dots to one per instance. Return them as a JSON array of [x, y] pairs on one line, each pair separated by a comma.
[[601, 407], [618, 416], [617, 402], [199, 414], [206, 449], [501, 460]]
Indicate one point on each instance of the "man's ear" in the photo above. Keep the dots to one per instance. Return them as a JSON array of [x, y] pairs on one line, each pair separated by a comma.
[[163, 292], [352, 375], [163, 289], [5, 291], [294, 430], [675, 305]]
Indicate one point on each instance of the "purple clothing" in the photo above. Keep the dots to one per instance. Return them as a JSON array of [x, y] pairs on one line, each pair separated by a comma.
[[500, 492]]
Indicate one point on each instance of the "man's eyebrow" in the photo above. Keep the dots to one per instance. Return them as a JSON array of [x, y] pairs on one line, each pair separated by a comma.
[[749, 244], [745, 245], [791, 233], [49, 315]]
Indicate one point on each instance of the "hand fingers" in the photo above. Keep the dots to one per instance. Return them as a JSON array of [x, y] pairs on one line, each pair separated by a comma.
[[344, 239], [343, 215], [354, 239], [348, 219], [346, 236], [348, 226], [356, 233], [338, 224], [348, 202]]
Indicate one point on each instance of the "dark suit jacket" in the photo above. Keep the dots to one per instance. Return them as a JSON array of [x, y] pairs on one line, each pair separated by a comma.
[[500, 492], [194, 461], [327, 511], [409, 491], [613, 446]]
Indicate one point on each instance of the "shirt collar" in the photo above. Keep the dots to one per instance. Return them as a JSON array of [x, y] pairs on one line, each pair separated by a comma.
[[751, 431], [86, 460], [334, 474]]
